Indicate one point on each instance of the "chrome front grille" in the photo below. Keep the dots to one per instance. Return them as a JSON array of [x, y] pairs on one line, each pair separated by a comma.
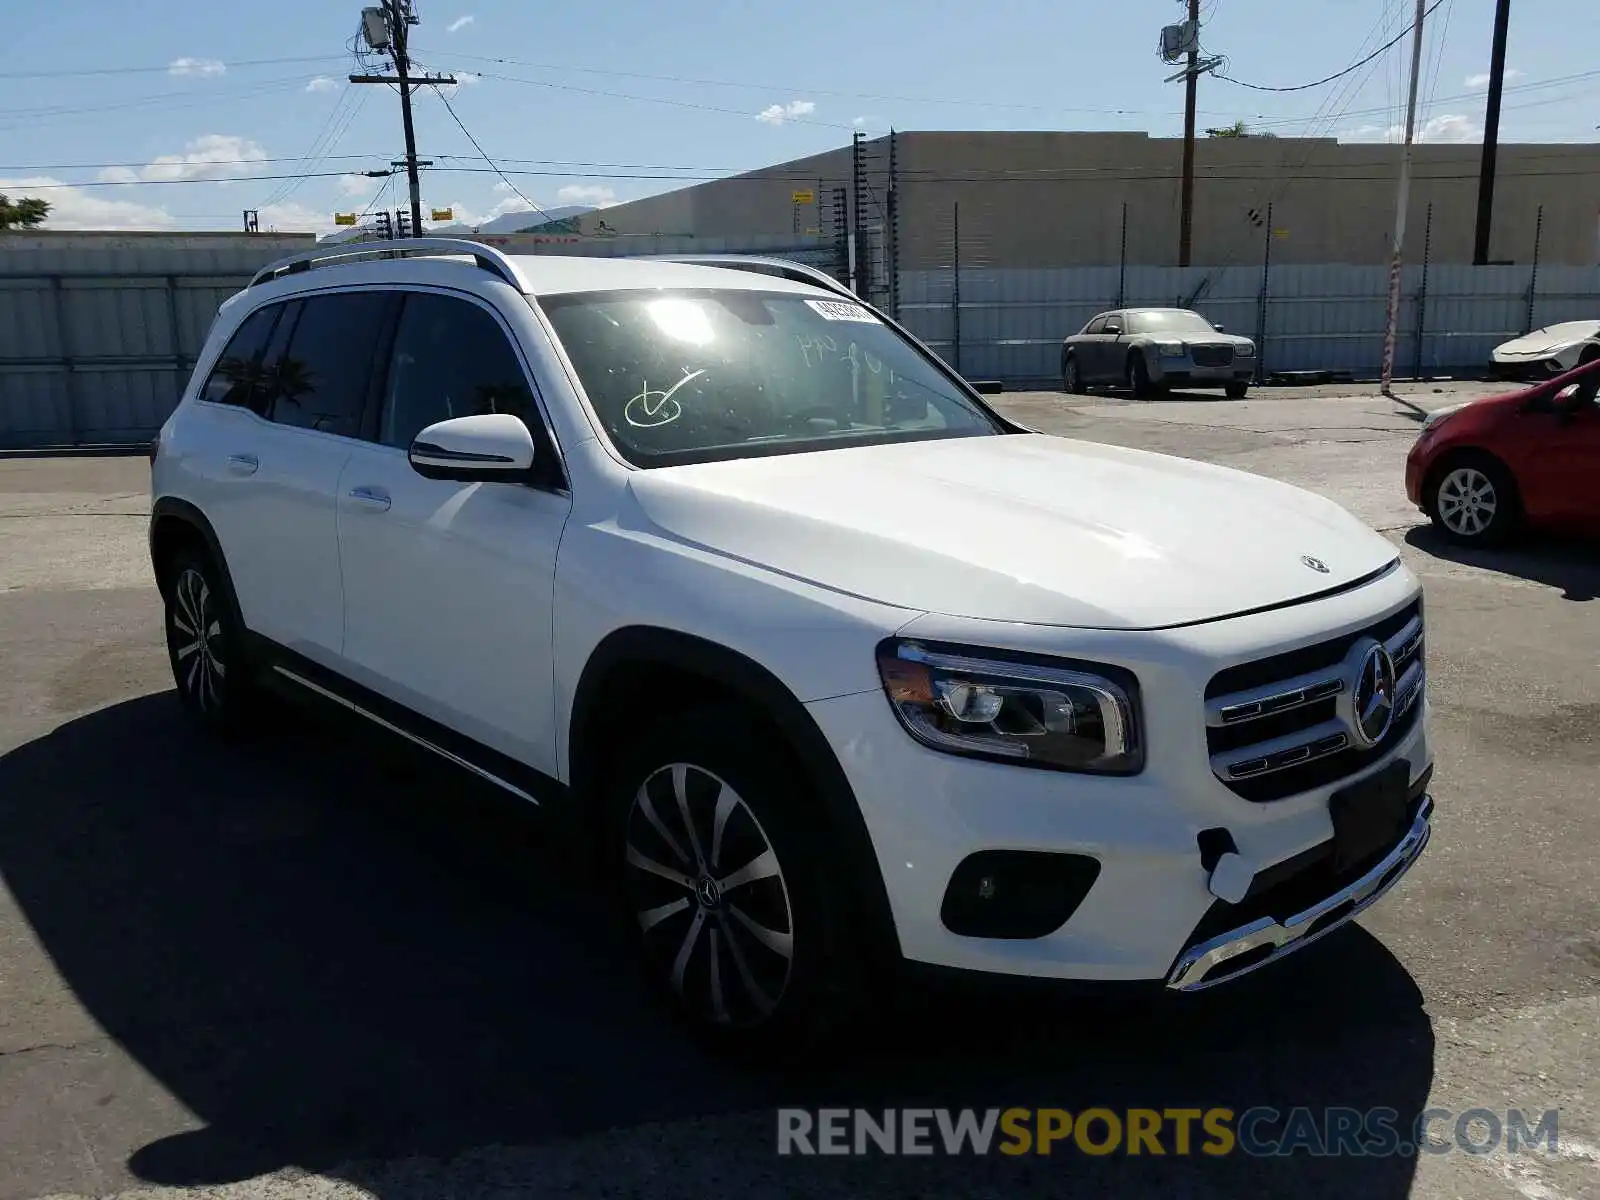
[[1211, 356], [1283, 725]]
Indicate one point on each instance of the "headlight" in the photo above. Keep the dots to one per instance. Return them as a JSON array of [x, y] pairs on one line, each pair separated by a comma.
[[1245, 350], [994, 705], [1171, 349]]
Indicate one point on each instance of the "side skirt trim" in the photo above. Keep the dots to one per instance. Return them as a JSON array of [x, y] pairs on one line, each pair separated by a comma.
[[352, 706]]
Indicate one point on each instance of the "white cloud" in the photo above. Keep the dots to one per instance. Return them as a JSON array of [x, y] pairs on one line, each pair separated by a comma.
[[1451, 128], [587, 193], [465, 215], [1473, 82], [322, 83], [119, 175], [459, 24], [76, 208], [777, 114], [292, 217], [357, 185], [196, 66], [1448, 128], [859, 122], [465, 77], [213, 156]]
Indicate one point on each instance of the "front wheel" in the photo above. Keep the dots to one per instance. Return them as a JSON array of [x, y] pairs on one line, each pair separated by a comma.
[[1473, 502], [1139, 378], [725, 875], [1236, 391]]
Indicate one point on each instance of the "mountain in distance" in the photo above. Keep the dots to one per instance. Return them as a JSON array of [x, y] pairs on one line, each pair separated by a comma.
[[522, 221]]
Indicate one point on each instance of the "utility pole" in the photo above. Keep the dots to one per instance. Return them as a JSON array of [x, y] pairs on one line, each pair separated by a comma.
[[1401, 201], [1191, 80], [1491, 132], [387, 27]]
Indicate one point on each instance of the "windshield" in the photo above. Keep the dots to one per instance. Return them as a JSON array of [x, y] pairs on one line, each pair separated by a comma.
[[1170, 320], [697, 375]]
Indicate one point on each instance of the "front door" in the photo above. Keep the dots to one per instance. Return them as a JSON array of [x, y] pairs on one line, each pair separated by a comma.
[[448, 586]]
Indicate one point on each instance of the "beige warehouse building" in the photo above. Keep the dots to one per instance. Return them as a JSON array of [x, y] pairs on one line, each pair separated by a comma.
[[1041, 200]]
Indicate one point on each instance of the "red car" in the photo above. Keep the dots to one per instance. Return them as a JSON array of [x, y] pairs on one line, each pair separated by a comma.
[[1529, 458]]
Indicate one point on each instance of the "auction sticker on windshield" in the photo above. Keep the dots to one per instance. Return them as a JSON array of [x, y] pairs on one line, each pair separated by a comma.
[[841, 310]]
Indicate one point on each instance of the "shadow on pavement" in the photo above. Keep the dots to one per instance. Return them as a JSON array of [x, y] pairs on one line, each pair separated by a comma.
[[332, 954], [1561, 563]]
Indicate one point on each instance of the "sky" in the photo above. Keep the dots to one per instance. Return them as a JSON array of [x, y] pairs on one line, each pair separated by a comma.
[[191, 111]]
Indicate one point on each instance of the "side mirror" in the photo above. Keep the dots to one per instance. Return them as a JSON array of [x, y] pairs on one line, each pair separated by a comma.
[[1219, 326], [1113, 330], [490, 447]]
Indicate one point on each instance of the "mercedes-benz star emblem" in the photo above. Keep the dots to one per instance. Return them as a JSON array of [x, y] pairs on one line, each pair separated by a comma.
[[1316, 564], [1372, 697]]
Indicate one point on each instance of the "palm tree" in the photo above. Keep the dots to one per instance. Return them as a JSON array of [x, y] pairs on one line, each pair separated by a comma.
[[26, 213]]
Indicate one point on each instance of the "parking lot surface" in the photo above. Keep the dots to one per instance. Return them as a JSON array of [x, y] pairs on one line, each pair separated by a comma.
[[309, 965]]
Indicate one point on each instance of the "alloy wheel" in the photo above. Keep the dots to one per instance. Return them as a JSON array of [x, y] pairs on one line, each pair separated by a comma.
[[196, 638], [709, 894], [1467, 502]]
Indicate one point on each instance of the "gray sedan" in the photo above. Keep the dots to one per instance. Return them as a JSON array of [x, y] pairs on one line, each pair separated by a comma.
[[1149, 350]]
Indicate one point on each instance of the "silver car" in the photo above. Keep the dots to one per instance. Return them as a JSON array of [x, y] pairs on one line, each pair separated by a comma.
[[1149, 350]]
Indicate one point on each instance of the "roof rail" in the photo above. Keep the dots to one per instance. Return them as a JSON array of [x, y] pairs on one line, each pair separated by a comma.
[[487, 257], [783, 268]]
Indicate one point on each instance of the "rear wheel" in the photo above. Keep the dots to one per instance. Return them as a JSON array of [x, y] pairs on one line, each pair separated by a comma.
[[204, 646], [725, 875], [1072, 376], [1473, 501]]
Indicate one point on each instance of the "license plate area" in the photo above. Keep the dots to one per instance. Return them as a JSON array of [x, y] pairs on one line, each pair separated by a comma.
[[1369, 817]]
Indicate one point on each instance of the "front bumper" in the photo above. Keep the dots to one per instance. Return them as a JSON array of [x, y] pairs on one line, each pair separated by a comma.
[[1151, 901], [1266, 939], [1184, 371]]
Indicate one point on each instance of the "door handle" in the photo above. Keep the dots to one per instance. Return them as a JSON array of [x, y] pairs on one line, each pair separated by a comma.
[[243, 464], [370, 497]]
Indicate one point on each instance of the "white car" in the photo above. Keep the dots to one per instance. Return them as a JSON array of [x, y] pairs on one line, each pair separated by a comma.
[[1553, 350], [848, 674]]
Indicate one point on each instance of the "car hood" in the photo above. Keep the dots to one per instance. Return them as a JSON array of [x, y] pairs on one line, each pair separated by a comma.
[[1549, 339], [1022, 527]]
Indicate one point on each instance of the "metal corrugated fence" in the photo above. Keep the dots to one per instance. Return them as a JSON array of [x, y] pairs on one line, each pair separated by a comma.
[[96, 345], [1310, 318]]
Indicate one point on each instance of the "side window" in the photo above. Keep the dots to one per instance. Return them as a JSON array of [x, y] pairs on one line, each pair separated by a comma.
[[450, 359], [236, 379], [1097, 325], [320, 380]]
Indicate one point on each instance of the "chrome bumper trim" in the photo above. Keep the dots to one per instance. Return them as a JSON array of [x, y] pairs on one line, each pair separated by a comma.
[[1194, 970]]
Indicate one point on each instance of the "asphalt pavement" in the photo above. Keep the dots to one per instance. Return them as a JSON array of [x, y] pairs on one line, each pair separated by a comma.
[[309, 964]]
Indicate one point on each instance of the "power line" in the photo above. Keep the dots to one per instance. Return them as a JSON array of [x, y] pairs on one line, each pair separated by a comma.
[[1359, 63], [445, 100], [164, 68]]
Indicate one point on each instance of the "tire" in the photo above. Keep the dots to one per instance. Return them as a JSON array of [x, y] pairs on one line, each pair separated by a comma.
[[1472, 500], [205, 647], [1236, 391], [1072, 377], [1139, 378], [763, 969]]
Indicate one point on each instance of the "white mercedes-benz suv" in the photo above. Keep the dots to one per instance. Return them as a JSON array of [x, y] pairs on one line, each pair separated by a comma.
[[842, 670]]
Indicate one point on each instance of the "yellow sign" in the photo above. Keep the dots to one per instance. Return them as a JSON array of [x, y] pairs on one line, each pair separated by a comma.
[[344, 218], [1280, 233], [805, 197], [444, 214]]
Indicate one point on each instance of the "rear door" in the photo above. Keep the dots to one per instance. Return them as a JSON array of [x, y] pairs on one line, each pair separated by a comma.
[[288, 442]]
